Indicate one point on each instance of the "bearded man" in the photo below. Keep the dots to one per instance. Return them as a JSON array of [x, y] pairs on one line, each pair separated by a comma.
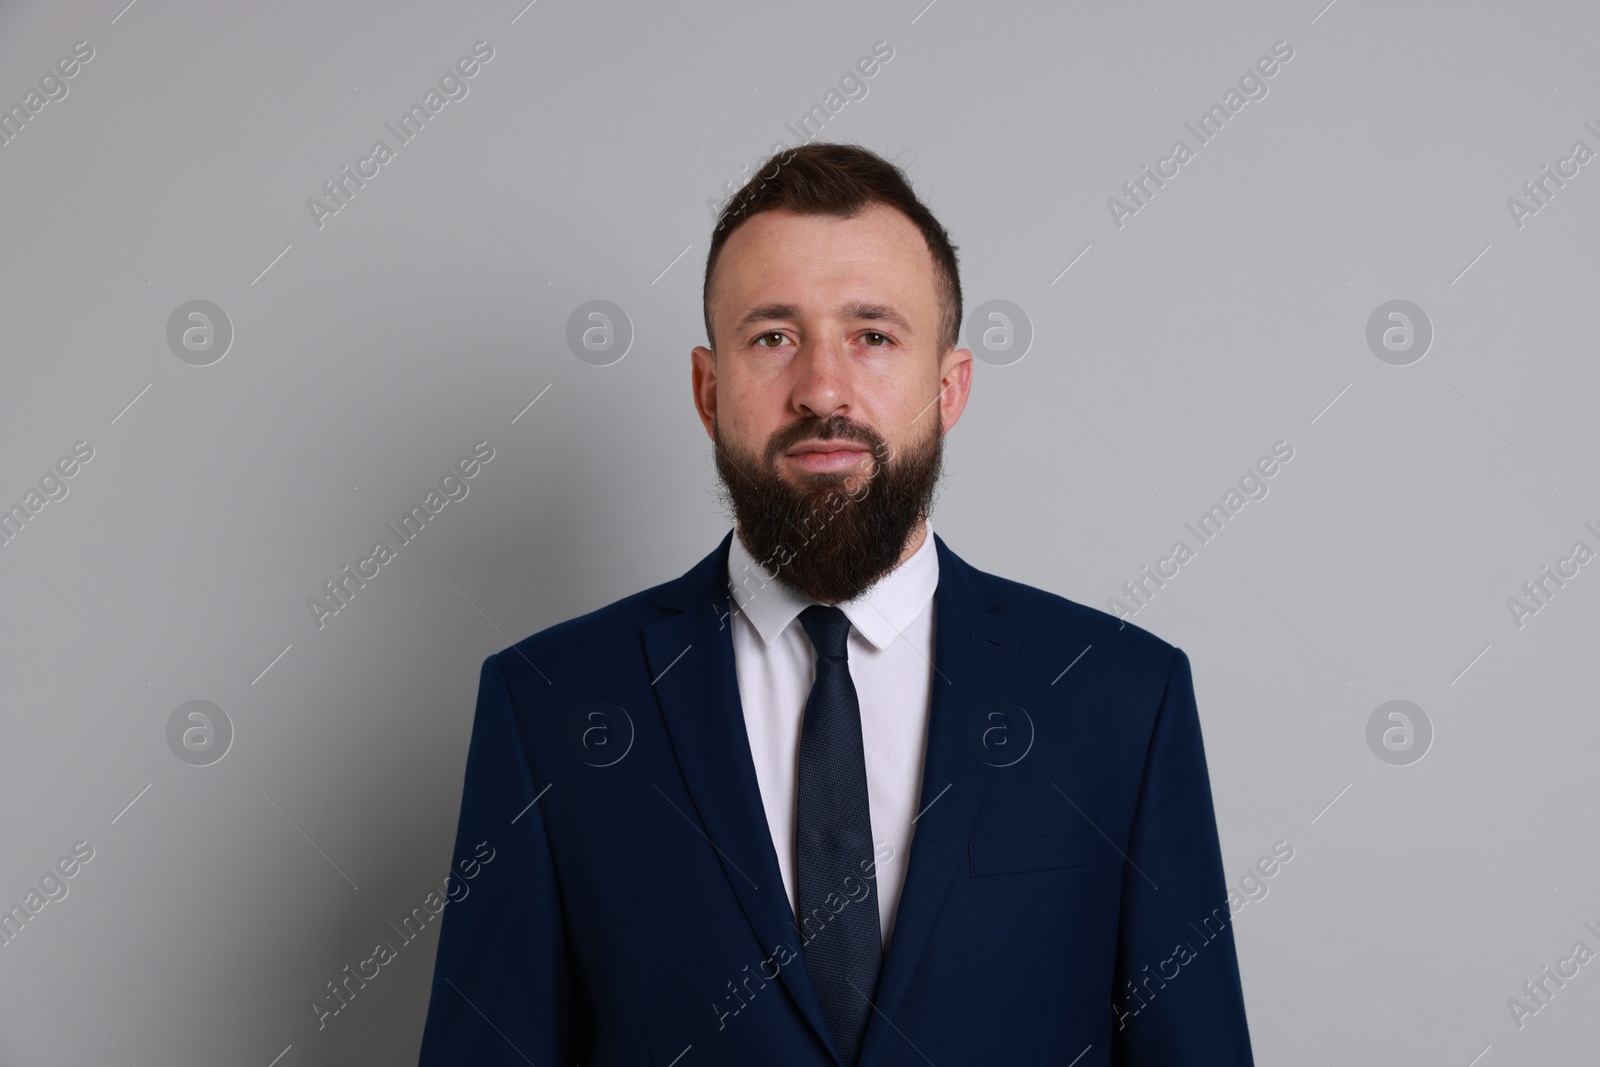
[[835, 796]]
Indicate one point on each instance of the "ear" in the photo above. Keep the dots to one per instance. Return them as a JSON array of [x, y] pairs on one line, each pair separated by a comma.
[[703, 382], [955, 384]]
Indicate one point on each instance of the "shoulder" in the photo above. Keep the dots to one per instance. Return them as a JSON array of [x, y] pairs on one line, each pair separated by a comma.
[[1052, 621], [586, 638], [603, 642]]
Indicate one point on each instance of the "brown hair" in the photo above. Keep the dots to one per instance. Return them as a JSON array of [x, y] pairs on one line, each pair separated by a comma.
[[838, 180]]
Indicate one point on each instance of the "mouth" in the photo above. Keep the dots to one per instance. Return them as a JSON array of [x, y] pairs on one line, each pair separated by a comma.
[[825, 456]]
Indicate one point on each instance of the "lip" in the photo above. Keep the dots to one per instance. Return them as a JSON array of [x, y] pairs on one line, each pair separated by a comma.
[[824, 447], [828, 457]]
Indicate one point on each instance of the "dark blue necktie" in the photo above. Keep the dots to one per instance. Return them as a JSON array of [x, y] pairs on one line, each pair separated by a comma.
[[841, 938]]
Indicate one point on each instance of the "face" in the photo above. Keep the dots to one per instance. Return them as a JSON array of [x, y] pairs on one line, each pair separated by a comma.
[[829, 395]]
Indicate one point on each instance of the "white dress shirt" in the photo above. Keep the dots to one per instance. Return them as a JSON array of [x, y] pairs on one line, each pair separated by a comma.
[[891, 666]]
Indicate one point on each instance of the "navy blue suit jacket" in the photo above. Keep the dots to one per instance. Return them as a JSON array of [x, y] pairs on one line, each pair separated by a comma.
[[1064, 900]]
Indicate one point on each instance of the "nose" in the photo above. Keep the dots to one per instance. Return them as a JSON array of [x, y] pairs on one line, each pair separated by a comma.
[[822, 384]]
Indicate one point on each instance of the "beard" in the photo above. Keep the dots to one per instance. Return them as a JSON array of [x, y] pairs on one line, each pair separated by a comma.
[[830, 535]]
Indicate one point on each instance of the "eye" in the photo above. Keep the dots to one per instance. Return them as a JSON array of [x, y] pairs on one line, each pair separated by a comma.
[[770, 333], [882, 338]]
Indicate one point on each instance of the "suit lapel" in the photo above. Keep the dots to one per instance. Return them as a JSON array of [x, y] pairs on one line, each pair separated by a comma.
[[692, 668], [975, 653]]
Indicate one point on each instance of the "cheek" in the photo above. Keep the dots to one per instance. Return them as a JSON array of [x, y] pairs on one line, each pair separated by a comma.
[[756, 400], [746, 426], [897, 405], [750, 388]]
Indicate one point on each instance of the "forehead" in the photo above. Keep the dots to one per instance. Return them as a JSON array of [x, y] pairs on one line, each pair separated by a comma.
[[781, 255]]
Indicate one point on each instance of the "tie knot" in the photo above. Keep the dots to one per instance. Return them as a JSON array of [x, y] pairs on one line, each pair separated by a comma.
[[829, 630]]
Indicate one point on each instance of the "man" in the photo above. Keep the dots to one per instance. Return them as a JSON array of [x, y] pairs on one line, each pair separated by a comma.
[[835, 796]]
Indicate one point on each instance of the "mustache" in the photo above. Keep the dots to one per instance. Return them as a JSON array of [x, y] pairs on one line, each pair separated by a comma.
[[832, 428]]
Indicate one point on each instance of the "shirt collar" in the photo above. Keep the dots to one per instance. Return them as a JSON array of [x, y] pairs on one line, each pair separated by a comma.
[[881, 614]]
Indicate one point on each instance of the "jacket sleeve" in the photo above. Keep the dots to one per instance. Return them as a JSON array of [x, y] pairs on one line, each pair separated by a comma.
[[502, 989], [1176, 996]]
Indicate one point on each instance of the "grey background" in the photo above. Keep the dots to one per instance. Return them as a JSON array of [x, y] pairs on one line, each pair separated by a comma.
[[1228, 314]]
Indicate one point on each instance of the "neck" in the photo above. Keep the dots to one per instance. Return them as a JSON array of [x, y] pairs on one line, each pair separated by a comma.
[[914, 542]]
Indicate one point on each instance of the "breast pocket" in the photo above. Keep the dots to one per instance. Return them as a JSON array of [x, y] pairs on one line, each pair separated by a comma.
[[1075, 848]]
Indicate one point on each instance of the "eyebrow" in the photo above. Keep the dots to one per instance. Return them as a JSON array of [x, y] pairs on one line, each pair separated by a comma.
[[857, 310]]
